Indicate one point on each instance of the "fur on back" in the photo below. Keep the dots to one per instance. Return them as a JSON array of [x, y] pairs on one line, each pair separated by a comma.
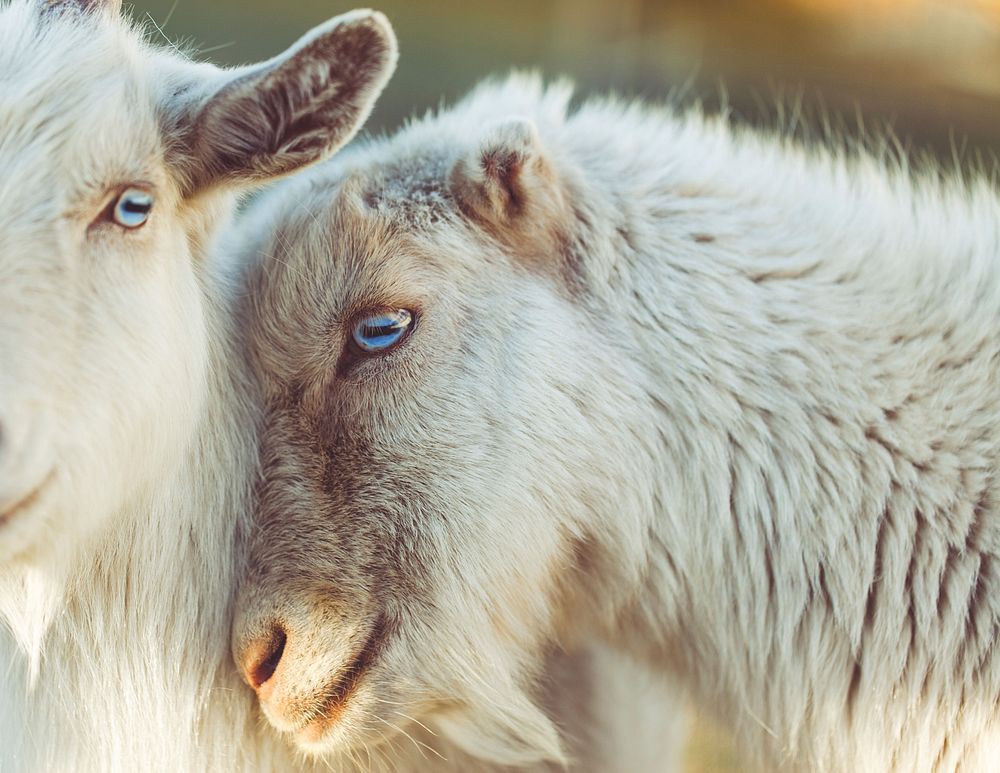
[[753, 393]]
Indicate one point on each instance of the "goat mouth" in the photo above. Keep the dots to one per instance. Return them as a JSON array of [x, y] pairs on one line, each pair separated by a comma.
[[18, 506], [338, 694]]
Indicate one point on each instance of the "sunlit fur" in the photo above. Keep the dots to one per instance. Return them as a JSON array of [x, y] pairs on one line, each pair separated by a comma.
[[728, 398], [118, 385], [119, 369]]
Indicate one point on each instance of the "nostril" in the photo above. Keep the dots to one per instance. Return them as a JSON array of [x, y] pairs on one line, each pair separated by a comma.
[[262, 657]]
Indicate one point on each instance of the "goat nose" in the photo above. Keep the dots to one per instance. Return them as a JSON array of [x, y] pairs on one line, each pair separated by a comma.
[[261, 656]]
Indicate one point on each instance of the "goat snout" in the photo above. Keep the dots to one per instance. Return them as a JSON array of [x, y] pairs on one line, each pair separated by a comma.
[[269, 660], [307, 671], [261, 656]]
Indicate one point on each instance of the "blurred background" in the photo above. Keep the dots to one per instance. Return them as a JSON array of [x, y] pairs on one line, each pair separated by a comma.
[[927, 69]]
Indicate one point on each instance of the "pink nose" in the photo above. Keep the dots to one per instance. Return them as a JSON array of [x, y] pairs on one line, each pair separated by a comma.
[[261, 656]]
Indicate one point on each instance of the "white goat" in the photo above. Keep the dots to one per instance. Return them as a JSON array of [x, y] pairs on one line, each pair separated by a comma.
[[729, 399], [126, 425], [126, 436]]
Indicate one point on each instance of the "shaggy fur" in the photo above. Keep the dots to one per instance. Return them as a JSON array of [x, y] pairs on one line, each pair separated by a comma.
[[127, 434], [727, 399], [122, 392]]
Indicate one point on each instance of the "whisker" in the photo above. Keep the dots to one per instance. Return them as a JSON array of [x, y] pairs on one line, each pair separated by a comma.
[[219, 47], [170, 14], [418, 744]]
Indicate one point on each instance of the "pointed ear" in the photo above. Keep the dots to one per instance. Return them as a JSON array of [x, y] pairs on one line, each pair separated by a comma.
[[269, 120], [505, 176], [509, 187]]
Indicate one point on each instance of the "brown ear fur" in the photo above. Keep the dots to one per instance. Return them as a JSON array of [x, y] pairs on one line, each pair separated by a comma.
[[85, 6], [508, 186], [294, 110]]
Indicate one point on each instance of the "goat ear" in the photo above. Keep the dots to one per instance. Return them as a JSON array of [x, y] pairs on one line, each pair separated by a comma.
[[506, 175], [508, 186], [272, 119]]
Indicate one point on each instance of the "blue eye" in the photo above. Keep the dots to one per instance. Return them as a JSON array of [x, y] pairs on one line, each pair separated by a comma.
[[380, 332], [133, 208]]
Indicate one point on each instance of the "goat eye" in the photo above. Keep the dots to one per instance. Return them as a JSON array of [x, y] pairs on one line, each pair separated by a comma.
[[380, 332], [133, 208]]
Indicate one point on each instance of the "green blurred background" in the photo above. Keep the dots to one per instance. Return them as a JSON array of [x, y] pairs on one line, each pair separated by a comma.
[[928, 69]]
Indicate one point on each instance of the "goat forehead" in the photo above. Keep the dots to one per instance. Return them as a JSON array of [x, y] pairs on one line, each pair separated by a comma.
[[75, 118], [68, 163], [37, 46], [412, 191], [61, 72]]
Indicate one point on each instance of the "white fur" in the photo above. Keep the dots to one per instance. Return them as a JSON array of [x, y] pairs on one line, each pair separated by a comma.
[[121, 372], [811, 496], [744, 422], [118, 380]]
